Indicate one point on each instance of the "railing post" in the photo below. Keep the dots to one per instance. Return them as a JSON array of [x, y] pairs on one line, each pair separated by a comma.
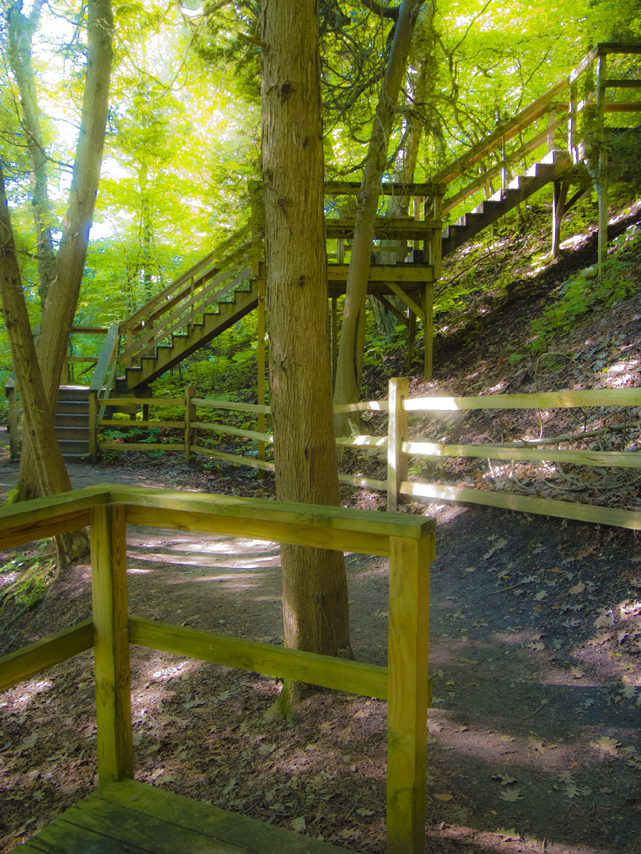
[[111, 642], [572, 130], [260, 359], [602, 182], [504, 168], [397, 434], [93, 426], [14, 445], [190, 415], [551, 121], [130, 342], [407, 693], [428, 331]]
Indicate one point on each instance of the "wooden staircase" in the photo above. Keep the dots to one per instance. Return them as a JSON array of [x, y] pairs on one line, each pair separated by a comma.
[[548, 170], [72, 422]]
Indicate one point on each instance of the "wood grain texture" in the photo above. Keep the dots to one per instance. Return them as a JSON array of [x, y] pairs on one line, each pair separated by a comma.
[[513, 452], [397, 431], [111, 642], [246, 510], [545, 400], [523, 503], [408, 646], [30, 660], [233, 458], [340, 674]]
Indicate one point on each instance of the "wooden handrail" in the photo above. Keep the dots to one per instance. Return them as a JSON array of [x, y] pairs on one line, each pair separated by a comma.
[[109, 348]]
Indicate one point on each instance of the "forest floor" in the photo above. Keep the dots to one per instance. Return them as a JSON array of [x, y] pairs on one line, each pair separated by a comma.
[[535, 644]]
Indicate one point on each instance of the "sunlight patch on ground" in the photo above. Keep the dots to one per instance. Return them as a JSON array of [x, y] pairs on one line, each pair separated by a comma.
[[226, 547], [136, 571]]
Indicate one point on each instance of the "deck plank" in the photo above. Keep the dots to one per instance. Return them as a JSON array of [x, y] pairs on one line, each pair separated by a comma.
[[236, 830], [134, 818]]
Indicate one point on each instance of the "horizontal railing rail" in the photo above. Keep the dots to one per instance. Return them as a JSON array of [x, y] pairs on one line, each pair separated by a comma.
[[404, 683]]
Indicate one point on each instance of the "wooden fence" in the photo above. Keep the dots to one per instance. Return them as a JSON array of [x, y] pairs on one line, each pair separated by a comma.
[[408, 541], [400, 450]]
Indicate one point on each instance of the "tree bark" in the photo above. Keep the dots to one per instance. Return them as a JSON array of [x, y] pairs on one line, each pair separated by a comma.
[[315, 609], [350, 352], [62, 298], [20, 30], [39, 427]]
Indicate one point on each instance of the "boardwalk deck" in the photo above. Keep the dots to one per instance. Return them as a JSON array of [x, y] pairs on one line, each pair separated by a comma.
[[133, 817]]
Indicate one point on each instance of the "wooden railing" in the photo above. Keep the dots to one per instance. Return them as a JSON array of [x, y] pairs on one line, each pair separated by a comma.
[[584, 96], [408, 542], [395, 444]]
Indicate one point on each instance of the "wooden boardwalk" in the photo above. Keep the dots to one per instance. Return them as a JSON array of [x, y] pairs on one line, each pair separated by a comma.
[[134, 817]]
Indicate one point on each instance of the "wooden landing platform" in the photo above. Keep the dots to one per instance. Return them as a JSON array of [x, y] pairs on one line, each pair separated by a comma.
[[132, 818]]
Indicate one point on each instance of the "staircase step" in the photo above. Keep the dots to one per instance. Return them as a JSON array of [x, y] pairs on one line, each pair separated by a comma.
[[72, 407], [74, 420], [78, 434], [73, 446]]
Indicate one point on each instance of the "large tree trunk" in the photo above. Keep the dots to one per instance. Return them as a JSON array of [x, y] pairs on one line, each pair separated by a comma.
[[20, 30], [62, 298], [315, 609], [39, 427], [350, 352]]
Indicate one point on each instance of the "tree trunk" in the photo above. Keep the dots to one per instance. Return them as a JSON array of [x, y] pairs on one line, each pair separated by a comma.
[[39, 427], [315, 609], [62, 298], [20, 30], [350, 352], [420, 79]]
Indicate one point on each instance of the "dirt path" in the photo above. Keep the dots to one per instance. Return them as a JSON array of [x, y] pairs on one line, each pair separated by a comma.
[[535, 630]]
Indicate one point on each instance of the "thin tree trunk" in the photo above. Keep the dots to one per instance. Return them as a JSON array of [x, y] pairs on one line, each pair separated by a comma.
[[350, 352], [315, 609], [62, 298], [39, 427], [20, 30]]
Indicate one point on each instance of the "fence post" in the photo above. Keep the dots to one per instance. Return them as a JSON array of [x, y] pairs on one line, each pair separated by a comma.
[[111, 642], [190, 415], [397, 434], [93, 426], [602, 180], [407, 693], [14, 447], [260, 359]]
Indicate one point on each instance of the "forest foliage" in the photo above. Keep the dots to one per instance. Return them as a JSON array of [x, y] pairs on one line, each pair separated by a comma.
[[183, 130]]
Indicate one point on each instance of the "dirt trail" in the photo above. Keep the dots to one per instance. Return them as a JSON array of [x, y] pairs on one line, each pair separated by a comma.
[[535, 629]]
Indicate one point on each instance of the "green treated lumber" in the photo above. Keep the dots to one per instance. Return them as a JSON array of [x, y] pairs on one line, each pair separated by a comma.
[[525, 504], [409, 302], [216, 824], [545, 400], [146, 401], [141, 446], [116, 423], [29, 660], [226, 404], [388, 188], [109, 347], [43, 517], [385, 273], [363, 441], [335, 519], [66, 837], [365, 482], [363, 406], [233, 431], [512, 452], [338, 673], [233, 458], [111, 642]]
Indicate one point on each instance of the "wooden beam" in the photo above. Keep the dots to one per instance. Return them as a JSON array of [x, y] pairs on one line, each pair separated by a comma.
[[408, 646], [388, 188], [514, 452], [428, 332], [544, 400], [33, 659], [392, 309], [418, 311], [234, 431], [397, 431], [524, 504], [233, 458], [384, 273], [111, 642], [337, 673], [226, 404], [260, 371]]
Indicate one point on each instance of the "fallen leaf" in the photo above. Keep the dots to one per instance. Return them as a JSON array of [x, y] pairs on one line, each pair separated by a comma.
[[629, 692], [621, 636], [500, 544], [535, 744], [571, 791], [537, 646], [571, 624], [606, 744], [511, 795], [299, 824], [504, 779], [508, 738], [444, 797], [566, 777], [470, 569], [361, 713], [364, 812], [578, 588], [576, 673], [542, 594]]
